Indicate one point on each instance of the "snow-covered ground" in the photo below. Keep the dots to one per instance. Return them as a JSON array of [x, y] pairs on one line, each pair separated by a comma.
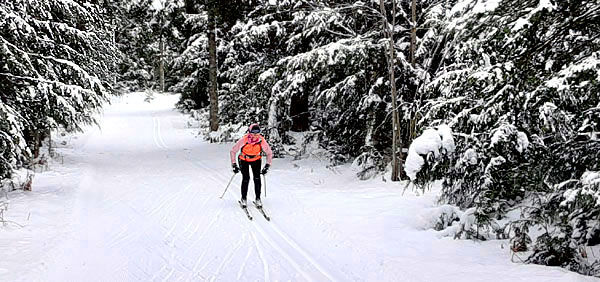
[[138, 200]]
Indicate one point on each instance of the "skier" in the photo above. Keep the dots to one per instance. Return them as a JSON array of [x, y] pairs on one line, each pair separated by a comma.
[[251, 146]]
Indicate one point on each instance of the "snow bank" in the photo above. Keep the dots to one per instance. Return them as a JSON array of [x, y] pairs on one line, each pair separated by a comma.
[[227, 133], [21, 179], [431, 141], [450, 221]]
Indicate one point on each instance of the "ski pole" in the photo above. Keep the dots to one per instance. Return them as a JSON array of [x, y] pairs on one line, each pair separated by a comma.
[[227, 186], [265, 177]]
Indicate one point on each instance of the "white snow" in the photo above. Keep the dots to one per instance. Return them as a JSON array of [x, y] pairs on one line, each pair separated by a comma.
[[483, 6], [158, 4], [470, 156], [590, 181], [266, 74], [546, 113], [503, 134], [522, 141], [431, 141], [522, 22], [464, 9], [428, 142], [589, 63], [138, 200], [447, 139], [591, 178]]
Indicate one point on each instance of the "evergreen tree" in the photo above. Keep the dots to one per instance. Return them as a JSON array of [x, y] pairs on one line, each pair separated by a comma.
[[14, 148], [320, 68], [192, 62], [57, 61], [141, 28], [519, 85], [134, 39]]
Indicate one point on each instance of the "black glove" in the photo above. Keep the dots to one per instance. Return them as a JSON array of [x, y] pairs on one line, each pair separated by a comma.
[[265, 169], [235, 167]]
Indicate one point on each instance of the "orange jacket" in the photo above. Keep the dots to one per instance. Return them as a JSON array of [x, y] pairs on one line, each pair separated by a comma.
[[251, 151]]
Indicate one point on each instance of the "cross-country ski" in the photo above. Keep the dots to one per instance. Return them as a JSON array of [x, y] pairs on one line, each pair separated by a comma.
[[261, 209], [246, 211]]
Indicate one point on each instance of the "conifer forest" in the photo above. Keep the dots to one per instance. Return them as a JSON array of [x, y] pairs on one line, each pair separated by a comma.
[[495, 101]]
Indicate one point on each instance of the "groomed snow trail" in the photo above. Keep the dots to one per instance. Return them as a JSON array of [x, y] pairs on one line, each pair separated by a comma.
[[138, 200]]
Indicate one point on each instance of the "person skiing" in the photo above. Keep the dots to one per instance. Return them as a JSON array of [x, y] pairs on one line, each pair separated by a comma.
[[251, 146]]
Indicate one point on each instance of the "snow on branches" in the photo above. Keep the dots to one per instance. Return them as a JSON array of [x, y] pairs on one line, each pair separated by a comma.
[[519, 85], [57, 59], [432, 141]]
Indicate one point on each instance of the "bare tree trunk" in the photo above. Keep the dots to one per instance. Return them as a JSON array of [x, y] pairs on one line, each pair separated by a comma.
[[161, 70], [413, 47], [50, 153], [391, 57], [212, 61], [36, 143], [413, 32]]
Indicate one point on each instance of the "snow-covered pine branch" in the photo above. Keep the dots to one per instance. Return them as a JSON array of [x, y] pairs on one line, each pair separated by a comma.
[[57, 62], [518, 80]]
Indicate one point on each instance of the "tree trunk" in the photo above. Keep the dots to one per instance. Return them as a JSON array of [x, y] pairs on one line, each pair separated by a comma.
[[391, 57], [413, 33], [161, 67], [412, 127], [36, 143], [212, 60], [50, 151]]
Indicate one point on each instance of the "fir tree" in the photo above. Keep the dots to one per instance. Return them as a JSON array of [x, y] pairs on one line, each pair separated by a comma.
[[56, 64], [519, 86]]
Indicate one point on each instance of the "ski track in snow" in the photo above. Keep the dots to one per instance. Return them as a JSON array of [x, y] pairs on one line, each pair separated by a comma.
[[158, 140], [289, 246], [262, 258], [138, 200], [275, 232], [227, 259], [243, 266]]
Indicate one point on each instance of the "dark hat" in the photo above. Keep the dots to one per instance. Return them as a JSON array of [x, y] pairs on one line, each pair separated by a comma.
[[255, 128]]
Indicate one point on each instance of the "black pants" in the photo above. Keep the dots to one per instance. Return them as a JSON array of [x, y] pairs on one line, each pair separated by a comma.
[[244, 167]]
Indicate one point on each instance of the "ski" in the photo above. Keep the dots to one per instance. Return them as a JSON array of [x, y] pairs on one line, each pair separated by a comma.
[[245, 210], [260, 209]]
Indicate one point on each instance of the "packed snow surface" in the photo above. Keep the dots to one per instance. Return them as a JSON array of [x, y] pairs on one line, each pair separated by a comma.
[[138, 200]]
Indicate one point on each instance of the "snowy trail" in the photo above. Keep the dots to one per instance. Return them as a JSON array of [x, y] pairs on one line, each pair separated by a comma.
[[138, 200]]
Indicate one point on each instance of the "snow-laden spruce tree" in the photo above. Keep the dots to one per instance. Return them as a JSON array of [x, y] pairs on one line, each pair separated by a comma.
[[191, 64], [57, 61], [315, 67], [519, 84], [14, 148], [134, 38], [319, 68], [140, 27]]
